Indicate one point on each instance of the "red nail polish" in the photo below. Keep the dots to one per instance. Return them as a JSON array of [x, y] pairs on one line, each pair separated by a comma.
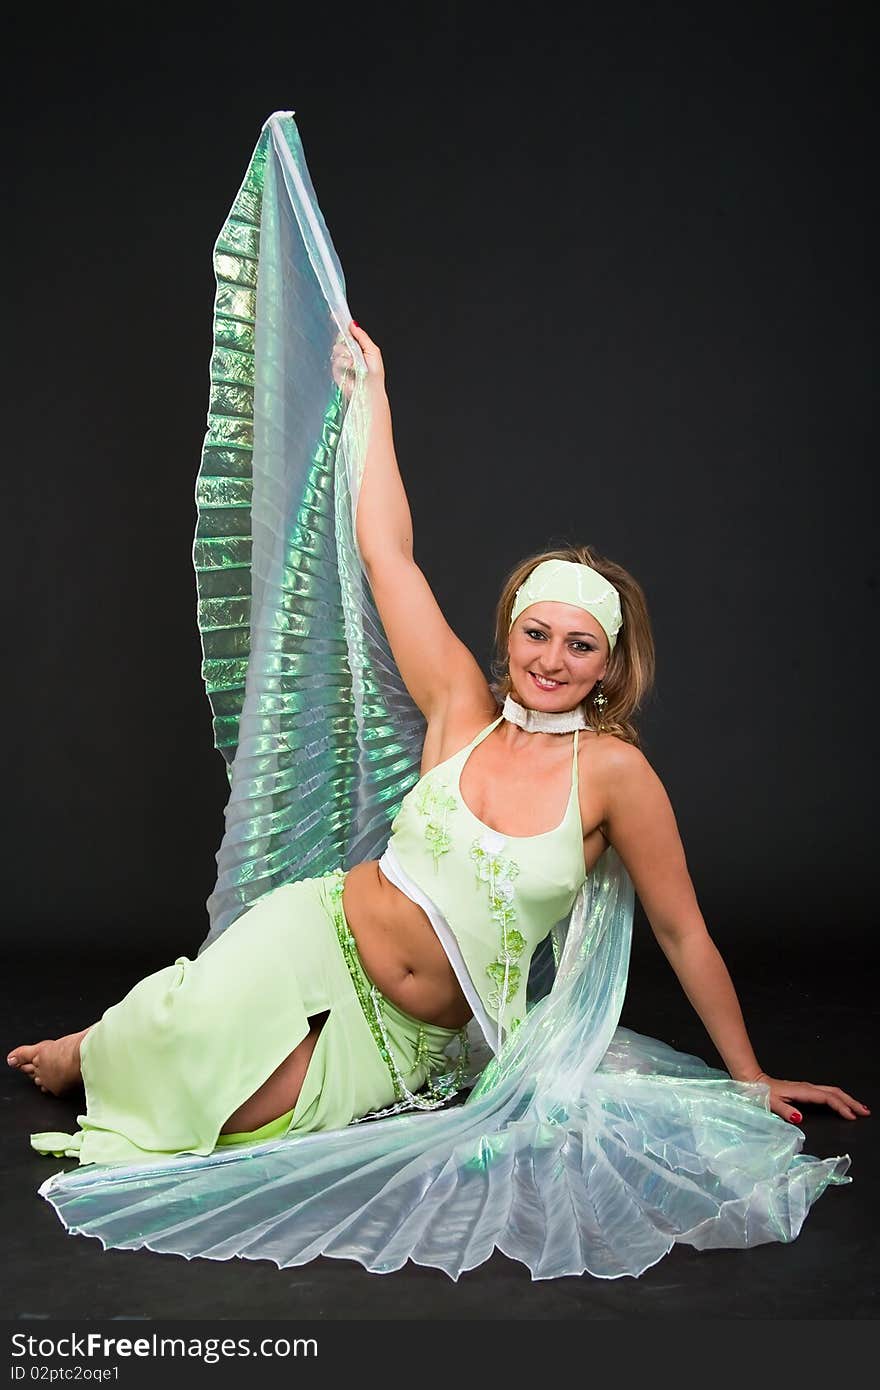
[[355, 322], [796, 1117]]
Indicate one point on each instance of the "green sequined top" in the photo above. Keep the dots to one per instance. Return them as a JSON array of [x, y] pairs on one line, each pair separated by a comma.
[[491, 898]]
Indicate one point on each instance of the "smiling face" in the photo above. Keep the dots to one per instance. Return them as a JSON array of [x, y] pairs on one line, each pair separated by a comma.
[[561, 642]]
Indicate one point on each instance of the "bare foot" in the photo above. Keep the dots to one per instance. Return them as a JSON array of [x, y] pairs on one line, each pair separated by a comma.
[[53, 1063]]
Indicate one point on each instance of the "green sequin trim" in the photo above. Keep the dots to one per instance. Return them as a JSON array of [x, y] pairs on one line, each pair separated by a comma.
[[499, 871], [434, 803], [443, 1086]]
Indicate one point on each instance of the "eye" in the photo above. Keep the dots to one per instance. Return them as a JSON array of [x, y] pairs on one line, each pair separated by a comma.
[[584, 647]]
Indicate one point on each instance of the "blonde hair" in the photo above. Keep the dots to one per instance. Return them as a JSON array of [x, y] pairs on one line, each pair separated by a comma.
[[630, 672]]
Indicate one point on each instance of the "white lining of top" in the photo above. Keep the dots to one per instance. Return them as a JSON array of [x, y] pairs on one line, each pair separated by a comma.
[[391, 868]]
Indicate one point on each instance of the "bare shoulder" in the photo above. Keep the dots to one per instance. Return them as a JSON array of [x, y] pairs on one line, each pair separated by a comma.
[[623, 797], [617, 764]]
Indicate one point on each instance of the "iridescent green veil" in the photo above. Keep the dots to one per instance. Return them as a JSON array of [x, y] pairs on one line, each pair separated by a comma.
[[319, 734], [583, 1145]]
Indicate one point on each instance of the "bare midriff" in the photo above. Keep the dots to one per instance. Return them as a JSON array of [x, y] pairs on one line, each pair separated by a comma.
[[400, 950], [397, 944]]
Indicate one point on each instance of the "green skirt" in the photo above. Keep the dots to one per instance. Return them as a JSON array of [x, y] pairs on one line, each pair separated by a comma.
[[165, 1067]]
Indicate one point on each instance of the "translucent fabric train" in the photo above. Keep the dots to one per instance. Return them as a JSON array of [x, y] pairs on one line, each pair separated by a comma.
[[582, 1146]]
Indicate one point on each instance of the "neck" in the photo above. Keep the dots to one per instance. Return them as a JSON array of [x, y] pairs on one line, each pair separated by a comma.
[[541, 721]]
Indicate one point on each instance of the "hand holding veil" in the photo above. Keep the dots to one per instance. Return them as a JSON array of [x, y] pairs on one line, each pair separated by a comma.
[[583, 1146]]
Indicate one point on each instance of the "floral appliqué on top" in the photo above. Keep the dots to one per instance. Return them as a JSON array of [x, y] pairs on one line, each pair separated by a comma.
[[499, 871], [434, 802]]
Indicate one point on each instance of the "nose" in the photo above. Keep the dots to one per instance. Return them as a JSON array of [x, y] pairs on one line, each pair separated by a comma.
[[551, 660]]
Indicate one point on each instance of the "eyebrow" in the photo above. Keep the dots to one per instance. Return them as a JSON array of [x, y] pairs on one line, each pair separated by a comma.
[[568, 634]]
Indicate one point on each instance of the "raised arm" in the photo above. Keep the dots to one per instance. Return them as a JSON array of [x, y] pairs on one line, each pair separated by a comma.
[[435, 665], [641, 826]]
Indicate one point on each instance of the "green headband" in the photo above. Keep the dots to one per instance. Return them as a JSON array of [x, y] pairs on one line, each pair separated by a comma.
[[566, 581]]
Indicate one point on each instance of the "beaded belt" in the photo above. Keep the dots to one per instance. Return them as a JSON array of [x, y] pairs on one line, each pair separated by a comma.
[[443, 1086]]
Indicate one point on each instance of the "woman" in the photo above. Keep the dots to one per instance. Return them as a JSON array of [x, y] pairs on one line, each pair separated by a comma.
[[339, 994], [557, 662]]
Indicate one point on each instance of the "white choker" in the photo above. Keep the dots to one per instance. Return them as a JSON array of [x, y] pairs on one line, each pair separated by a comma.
[[537, 721]]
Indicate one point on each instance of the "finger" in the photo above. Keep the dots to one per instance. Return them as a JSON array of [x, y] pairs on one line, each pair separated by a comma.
[[786, 1112], [846, 1098], [847, 1111], [824, 1095], [847, 1105], [358, 333]]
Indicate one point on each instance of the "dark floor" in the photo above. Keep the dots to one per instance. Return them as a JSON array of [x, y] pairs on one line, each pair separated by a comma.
[[814, 1026]]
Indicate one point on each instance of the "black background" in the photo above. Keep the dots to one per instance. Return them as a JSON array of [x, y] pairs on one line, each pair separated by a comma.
[[618, 265], [621, 283]]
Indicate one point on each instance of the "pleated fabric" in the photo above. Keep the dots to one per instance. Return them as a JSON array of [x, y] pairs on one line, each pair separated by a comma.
[[581, 1147]]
